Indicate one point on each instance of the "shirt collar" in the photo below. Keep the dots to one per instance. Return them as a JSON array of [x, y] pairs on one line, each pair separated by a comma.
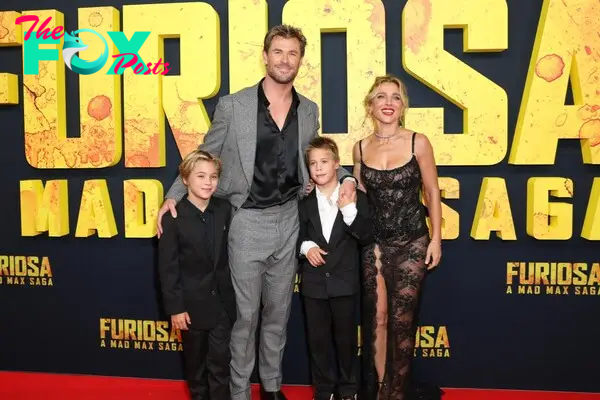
[[334, 196], [263, 97], [195, 210]]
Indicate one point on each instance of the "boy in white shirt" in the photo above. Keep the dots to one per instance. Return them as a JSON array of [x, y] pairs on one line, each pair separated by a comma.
[[332, 231]]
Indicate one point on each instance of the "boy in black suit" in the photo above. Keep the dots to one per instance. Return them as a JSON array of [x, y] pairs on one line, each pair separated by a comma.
[[195, 278], [332, 231]]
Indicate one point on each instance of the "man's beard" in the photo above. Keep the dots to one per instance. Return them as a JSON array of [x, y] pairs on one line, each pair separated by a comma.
[[279, 78]]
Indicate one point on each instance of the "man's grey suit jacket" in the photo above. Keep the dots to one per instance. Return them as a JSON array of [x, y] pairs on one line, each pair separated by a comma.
[[232, 137]]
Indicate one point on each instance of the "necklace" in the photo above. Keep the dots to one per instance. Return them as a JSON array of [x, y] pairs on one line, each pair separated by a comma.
[[385, 139]]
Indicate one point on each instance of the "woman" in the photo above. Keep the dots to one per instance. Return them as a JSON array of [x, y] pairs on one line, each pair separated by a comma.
[[392, 165]]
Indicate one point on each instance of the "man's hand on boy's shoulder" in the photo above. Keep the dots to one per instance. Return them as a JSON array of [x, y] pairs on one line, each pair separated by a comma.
[[168, 221], [167, 207]]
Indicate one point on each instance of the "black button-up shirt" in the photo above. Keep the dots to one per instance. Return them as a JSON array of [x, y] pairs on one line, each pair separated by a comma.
[[276, 168], [206, 226]]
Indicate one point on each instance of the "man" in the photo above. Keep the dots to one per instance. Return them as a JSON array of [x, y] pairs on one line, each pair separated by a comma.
[[260, 133]]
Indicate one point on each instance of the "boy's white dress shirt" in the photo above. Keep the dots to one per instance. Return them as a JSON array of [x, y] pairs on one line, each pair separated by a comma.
[[328, 210]]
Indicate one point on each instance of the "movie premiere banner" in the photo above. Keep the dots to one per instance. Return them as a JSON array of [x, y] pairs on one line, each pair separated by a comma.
[[508, 92]]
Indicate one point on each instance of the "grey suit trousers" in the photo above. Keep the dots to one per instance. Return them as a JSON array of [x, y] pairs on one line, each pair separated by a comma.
[[263, 263]]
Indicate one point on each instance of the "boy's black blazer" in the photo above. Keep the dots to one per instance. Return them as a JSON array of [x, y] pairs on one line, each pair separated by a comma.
[[195, 276], [340, 274]]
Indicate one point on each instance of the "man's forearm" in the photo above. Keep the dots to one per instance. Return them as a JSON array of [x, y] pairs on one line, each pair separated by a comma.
[[213, 143], [343, 175], [342, 172], [177, 190]]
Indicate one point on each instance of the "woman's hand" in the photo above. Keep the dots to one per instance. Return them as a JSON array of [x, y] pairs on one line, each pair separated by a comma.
[[434, 254]]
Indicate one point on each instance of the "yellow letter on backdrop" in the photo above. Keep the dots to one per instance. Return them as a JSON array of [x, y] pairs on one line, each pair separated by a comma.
[[493, 212], [450, 189], [142, 199], [566, 46], [44, 209], [364, 24], [485, 24], [197, 27], [591, 223], [100, 94], [248, 24], [95, 211], [546, 220], [9, 88], [10, 36], [46, 142]]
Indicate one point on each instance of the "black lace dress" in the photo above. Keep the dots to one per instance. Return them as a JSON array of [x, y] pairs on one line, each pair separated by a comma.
[[398, 254]]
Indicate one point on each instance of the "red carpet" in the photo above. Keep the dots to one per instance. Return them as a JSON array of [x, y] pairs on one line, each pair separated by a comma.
[[30, 386]]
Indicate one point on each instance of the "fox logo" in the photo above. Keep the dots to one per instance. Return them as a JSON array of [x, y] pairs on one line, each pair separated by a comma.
[[73, 44]]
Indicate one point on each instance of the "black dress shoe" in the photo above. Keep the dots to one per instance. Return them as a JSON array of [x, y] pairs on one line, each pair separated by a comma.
[[272, 395]]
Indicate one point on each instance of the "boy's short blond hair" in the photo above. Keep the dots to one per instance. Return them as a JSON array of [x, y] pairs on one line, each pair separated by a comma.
[[323, 143], [189, 162]]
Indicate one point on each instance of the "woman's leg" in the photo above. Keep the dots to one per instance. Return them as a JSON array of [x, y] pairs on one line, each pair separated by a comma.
[[381, 320], [409, 271]]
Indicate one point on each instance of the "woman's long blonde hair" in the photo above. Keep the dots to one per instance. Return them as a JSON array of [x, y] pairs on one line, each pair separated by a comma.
[[373, 92]]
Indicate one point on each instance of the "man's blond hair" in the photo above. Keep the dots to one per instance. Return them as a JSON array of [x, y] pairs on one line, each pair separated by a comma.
[[286, 32]]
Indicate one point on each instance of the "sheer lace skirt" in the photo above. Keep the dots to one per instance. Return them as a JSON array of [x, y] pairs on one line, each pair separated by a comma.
[[402, 266]]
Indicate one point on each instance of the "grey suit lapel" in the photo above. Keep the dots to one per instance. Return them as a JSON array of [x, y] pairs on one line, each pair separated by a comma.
[[245, 122], [304, 133]]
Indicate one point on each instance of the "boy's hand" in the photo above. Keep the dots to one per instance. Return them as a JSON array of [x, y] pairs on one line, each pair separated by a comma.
[[346, 199], [315, 256], [181, 321]]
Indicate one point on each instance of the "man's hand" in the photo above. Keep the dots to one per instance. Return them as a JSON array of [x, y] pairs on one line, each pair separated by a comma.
[[348, 188], [315, 256], [168, 205], [181, 321], [310, 186], [344, 200]]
